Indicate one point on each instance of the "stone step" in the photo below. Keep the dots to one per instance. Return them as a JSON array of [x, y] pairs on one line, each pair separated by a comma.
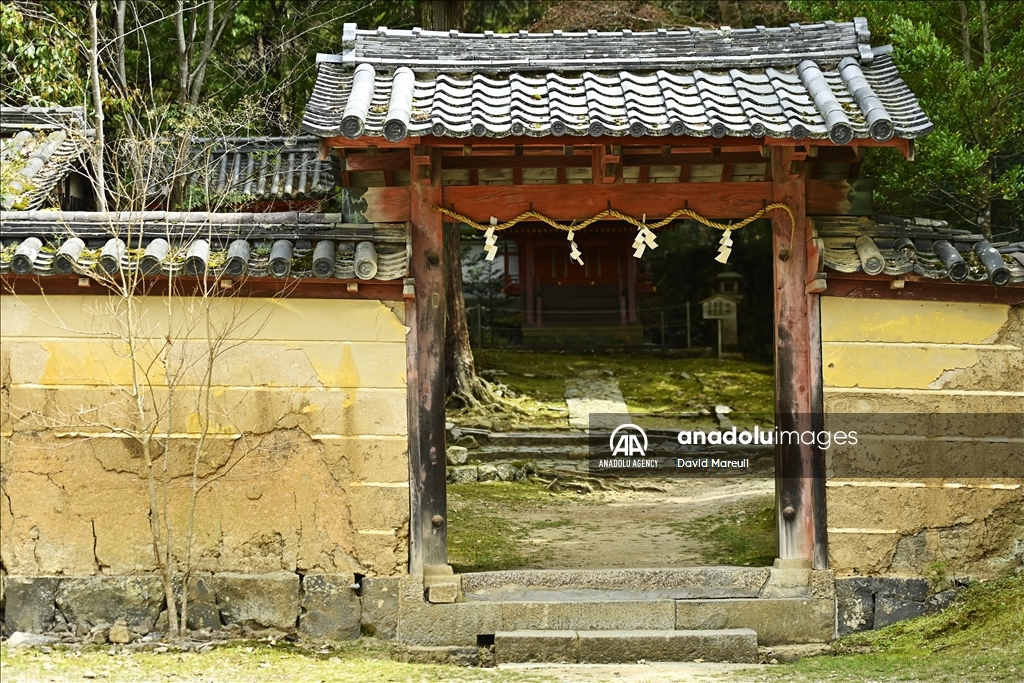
[[623, 646], [582, 585], [548, 439], [777, 621]]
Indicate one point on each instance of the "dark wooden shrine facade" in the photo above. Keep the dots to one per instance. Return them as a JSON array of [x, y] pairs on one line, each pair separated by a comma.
[[812, 178]]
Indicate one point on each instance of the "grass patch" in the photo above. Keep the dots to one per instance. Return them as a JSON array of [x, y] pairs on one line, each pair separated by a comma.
[[366, 660], [650, 384], [480, 538], [979, 638], [745, 538]]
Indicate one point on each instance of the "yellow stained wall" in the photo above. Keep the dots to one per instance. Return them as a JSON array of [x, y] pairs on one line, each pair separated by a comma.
[[306, 462], [894, 356]]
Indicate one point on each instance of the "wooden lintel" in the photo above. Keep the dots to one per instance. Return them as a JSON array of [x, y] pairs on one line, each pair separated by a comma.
[[375, 204], [919, 288], [390, 161], [306, 288], [367, 142], [526, 161], [657, 200]]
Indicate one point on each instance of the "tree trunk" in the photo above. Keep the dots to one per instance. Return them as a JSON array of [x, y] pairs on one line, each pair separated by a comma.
[[442, 15], [965, 33], [730, 12], [97, 99]]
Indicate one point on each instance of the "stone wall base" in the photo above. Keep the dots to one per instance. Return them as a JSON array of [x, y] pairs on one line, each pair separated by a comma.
[[320, 606]]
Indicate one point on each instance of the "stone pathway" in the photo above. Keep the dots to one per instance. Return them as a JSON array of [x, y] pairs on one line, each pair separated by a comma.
[[588, 395]]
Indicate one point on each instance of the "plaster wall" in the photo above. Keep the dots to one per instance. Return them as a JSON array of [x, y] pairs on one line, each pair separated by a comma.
[[304, 466], [924, 358]]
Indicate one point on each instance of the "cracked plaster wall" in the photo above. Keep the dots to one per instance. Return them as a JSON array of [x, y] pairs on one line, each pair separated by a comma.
[[895, 356], [307, 459]]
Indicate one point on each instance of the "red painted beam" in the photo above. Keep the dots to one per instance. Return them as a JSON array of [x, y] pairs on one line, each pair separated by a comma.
[[574, 202]]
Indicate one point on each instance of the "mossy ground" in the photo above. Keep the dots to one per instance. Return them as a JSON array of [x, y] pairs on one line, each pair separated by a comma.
[[979, 638], [649, 383], [480, 535], [744, 538]]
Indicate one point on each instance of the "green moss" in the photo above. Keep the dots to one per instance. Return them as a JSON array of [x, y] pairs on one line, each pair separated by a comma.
[[744, 538], [650, 384], [979, 638], [480, 538]]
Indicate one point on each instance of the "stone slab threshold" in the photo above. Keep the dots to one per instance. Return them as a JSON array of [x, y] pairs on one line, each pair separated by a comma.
[[625, 646]]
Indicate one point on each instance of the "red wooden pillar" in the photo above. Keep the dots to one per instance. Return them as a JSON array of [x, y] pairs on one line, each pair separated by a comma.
[[799, 482], [428, 514]]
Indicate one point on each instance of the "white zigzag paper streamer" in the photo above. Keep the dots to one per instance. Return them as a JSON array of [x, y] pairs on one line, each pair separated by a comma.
[[726, 249], [491, 241]]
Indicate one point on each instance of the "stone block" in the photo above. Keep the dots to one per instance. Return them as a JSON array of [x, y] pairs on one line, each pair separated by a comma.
[[456, 624], [440, 592], [330, 607], [507, 472], [902, 588], [21, 639], [487, 473], [464, 474], [718, 645], [777, 621], [855, 604], [889, 610], [29, 603], [105, 599], [457, 455], [380, 606], [411, 590], [573, 584], [258, 600], [453, 656], [787, 583], [823, 583], [536, 646], [588, 616], [940, 601], [202, 603]]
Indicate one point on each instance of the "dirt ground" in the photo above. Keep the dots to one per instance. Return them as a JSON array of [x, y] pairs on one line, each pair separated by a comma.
[[684, 524]]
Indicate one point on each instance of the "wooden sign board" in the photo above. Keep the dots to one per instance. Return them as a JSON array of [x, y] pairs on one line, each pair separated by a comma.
[[719, 308]]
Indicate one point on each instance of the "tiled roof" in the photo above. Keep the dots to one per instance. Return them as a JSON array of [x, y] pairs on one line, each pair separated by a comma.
[[263, 168], [803, 81], [290, 244], [896, 246], [42, 143]]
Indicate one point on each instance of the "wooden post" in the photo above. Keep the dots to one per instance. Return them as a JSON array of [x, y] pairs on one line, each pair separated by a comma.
[[428, 514], [719, 339], [799, 468], [663, 329]]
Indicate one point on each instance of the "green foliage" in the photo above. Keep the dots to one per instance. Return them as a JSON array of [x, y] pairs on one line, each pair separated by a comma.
[[745, 538], [971, 169], [40, 60]]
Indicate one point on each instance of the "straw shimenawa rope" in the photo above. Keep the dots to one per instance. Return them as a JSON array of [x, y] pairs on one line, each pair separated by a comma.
[[612, 213]]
